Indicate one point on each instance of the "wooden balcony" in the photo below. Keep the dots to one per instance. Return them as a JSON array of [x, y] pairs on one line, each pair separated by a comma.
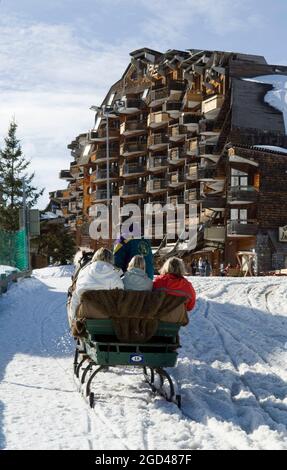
[[211, 106], [191, 196], [133, 148], [133, 127], [100, 195], [177, 132], [158, 119], [157, 141], [237, 195], [176, 199], [114, 134], [132, 190], [176, 155], [173, 107], [176, 179], [190, 118], [215, 233], [130, 170], [100, 156], [213, 202], [101, 175], [156, 185], [193, 100], [242, 228], [192, 147], [155, 164], [192, 172], [131, 105], [66, 175], [157, 96]]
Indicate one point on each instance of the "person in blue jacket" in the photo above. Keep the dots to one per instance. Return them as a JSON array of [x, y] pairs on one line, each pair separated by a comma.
[[126, 248]]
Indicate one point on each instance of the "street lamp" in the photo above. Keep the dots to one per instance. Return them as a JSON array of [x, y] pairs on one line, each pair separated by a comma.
[[106, 112]]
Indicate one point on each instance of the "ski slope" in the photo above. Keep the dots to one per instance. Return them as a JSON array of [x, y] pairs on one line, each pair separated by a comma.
[[232, 371]]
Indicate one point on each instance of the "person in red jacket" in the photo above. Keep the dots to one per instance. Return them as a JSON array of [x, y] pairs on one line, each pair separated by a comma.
[[172, 281]]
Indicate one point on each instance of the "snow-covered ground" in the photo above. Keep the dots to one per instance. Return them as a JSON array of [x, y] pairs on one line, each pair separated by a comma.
[[4, 269], [232, 371]]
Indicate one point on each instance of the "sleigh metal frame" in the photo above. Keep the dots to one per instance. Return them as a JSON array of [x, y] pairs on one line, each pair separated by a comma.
[[100, 350]]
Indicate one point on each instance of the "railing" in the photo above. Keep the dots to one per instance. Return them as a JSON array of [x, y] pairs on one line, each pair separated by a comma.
[[176, 178], [130, 169], [65, 174], [156, 185], [190, 119], [133, 126], [157, 118], [192, 147], [131, 189], [177, 131], [192, 172], [176, 154], [133, 147], [178, 85], [131, 103], [154, 163], [243, 193], [157, 139], [213, 202], [158, 94], [102, 155], [176, 200], [247, 227], [191, 195], [174, 105], [210, 104], [102, 174], [113, 132], [101, 194]]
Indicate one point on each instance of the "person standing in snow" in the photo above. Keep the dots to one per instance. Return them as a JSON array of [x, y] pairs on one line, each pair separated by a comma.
[[193, 268], [135, 277], [172, 281], [99, 274], [207, 268], [201, 266]]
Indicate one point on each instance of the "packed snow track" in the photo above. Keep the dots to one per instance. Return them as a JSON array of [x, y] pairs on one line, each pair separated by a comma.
[[231, 369]]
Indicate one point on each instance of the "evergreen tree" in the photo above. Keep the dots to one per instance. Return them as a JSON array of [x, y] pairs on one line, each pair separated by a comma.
[[56, 242], [13, 166]]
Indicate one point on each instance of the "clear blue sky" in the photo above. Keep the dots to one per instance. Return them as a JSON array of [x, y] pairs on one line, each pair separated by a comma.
[[60, 56]]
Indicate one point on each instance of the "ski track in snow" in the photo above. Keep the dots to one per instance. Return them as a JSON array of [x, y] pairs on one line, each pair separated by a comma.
[[231, 371]]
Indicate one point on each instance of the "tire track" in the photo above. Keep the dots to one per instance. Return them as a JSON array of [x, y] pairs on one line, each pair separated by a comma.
[[242, 378]]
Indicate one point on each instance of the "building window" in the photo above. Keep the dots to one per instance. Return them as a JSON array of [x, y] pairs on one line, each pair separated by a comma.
[[239, 179], [239, 214]]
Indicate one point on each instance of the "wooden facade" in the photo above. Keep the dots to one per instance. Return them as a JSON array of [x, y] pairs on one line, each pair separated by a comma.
[[183, 129]]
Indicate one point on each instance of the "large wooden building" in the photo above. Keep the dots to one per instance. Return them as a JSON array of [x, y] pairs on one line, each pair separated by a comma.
[[201, 127]]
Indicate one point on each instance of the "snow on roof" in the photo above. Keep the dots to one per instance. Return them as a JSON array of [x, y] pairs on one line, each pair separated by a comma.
[[276, 97], [271, 147]]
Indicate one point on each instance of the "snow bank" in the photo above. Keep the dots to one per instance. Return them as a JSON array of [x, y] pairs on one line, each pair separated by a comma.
[[54, 271], [278, 96], [231, 370], [7, 269]]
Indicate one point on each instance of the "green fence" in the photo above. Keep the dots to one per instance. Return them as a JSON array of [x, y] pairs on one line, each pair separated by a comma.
[[14, 249]]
